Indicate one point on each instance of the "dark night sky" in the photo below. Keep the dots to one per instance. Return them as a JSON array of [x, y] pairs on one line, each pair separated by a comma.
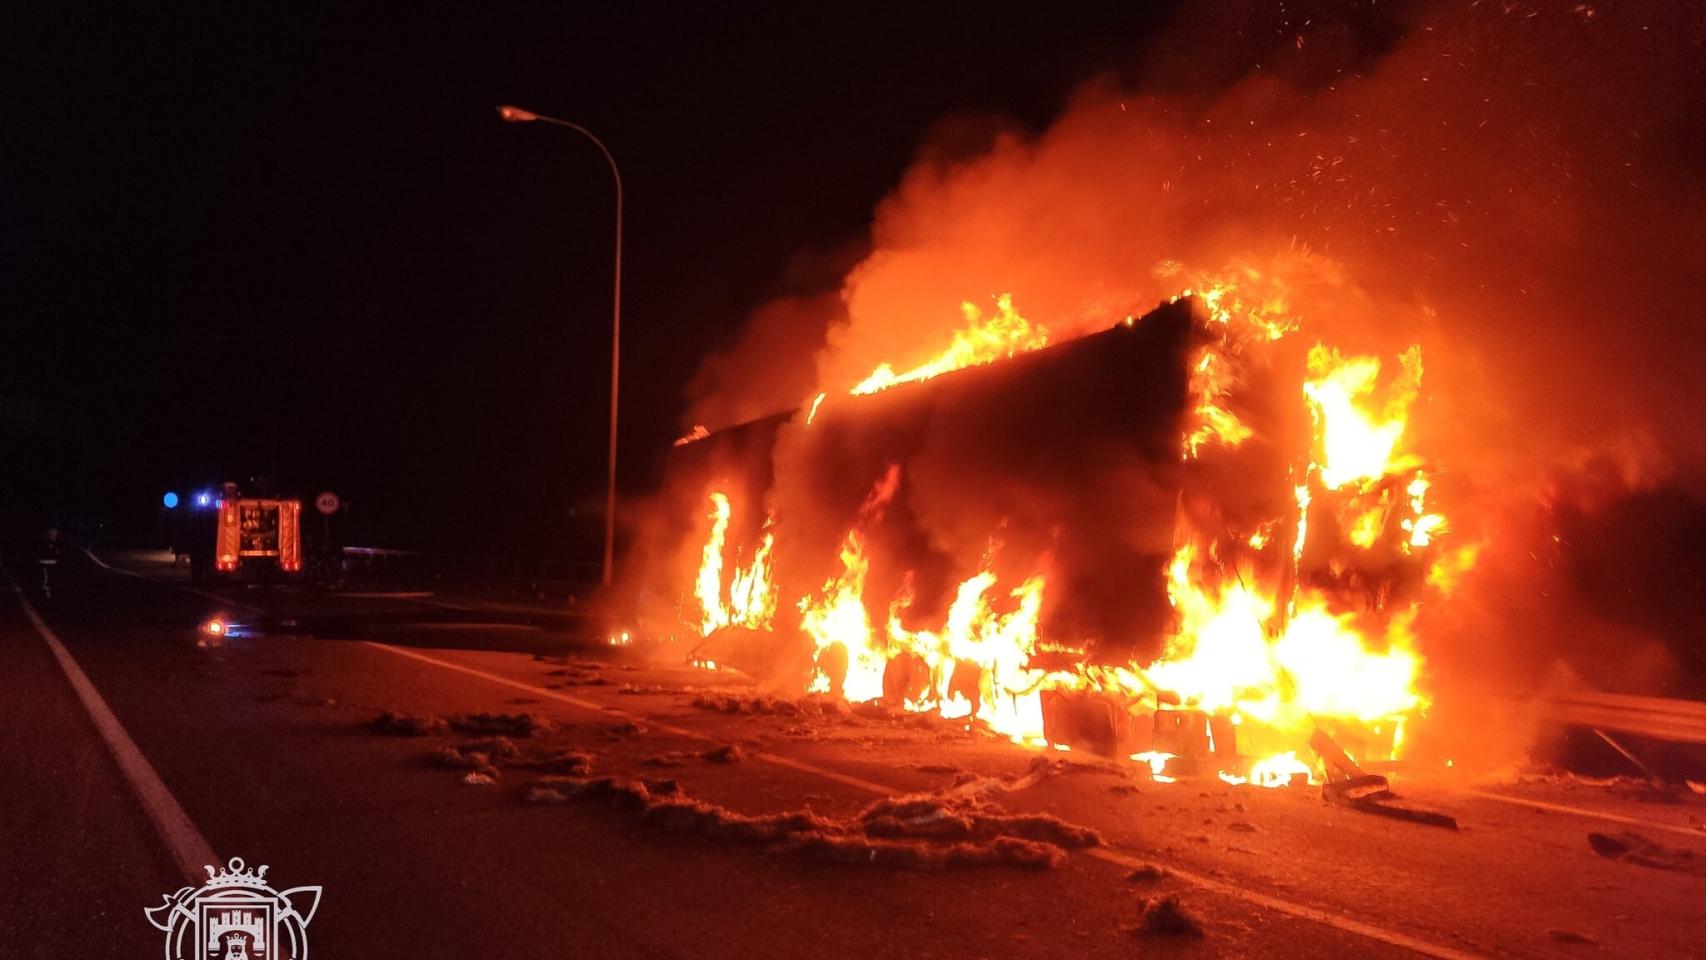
[[198, 202]]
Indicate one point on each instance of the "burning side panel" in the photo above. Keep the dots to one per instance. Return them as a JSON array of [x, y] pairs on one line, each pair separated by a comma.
[[1060, 464], [1067, 458]]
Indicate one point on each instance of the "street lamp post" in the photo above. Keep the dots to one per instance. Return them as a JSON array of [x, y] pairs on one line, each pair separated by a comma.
[[517, 115]]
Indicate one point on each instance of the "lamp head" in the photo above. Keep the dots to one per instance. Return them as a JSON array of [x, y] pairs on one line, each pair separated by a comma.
[[516, 114]]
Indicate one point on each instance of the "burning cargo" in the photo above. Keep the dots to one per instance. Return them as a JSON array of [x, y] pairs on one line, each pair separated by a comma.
[[1191, 539]]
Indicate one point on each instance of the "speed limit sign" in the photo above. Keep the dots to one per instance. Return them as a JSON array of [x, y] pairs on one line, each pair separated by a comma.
[[327, 503]]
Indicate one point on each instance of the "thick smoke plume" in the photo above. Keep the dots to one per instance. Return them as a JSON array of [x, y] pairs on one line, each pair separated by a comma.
[[1518, 186]]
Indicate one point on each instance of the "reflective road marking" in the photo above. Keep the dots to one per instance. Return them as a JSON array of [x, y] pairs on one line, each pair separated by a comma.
[[188, 847], [1302, 911]]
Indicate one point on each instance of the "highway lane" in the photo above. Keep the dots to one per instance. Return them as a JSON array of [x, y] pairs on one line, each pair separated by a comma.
[[263, 740], [71, 830], [265, 746]]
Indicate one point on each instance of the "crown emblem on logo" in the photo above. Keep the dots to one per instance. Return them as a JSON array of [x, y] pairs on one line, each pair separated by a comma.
[[236, 874], [237, 911]]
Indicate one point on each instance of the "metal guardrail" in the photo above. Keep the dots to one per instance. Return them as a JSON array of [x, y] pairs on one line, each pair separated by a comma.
[[1678, 721], [505, 575]]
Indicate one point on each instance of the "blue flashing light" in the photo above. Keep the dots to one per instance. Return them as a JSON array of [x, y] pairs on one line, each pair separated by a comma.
[[204, 499], [170, 500]]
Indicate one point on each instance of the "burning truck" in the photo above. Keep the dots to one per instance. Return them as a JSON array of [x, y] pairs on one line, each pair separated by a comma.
[[1200, 539]]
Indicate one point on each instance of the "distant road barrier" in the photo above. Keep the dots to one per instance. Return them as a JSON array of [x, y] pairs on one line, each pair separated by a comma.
[[548, 577], [1679, 721]]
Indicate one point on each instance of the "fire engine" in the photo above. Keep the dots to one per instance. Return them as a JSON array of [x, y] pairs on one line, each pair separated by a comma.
[[257, 535]]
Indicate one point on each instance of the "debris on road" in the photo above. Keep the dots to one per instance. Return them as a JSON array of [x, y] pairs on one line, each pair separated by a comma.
[[1349, 785], [456, 759], [494, 747], [1570, 936], [1166, 916], [541, 794], [1372, 794], [916, 831], [727, 753], [624, 730], [593, 680], [721, 703], [404, 725], [643, 689], [932, 816], [568, 763], [501, 724], [477, 756], [480, 778], [1631, 847], [1148, 873]]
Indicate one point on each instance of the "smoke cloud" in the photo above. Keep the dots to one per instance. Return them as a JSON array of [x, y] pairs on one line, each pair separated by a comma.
[[1516, 186]]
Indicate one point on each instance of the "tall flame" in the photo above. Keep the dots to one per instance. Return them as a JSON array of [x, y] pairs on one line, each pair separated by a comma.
[[752, 591], [752, 594], [837, 616], [708, 586], [1288, 645]]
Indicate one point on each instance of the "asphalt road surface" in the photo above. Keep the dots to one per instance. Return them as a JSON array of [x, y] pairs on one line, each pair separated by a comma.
[[262, 747]]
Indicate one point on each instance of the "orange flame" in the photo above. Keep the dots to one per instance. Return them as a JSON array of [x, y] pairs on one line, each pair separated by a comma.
[[1237, 324], [1256, 634], [1358, 443], [752, 592], [708, 586], [979, 650], [838, 616], [982, 340], [1209, 386]]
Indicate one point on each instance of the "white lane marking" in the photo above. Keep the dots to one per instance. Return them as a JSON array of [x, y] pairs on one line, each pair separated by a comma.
[[167, 583], [1301, 911], [531, 688], [188, 847], [1592, 814], [586, 704], [826, 774]]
